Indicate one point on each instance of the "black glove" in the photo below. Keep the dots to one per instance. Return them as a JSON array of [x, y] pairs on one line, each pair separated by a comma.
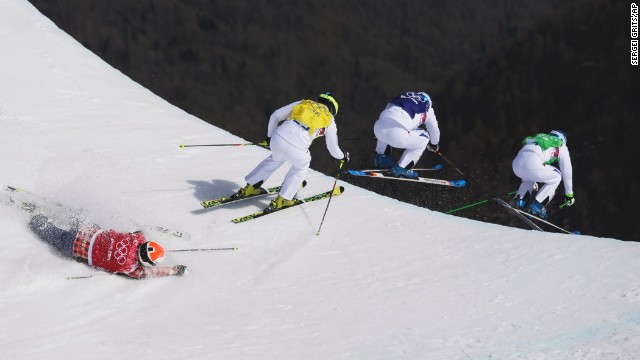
[[265, 143], [569, 200], [346, 156], [182, 270], [431, 147]]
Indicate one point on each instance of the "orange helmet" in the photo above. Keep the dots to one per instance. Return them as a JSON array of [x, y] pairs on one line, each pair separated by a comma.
[[150, 253]]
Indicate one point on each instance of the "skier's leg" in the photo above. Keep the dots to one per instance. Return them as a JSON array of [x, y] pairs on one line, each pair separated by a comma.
[[265, 169], [61, 240], [526, 167], [551, 177], [383, 128], [300, 161], [415, 142], [382, 160], [525, 187], [381, 147], [388, 132]]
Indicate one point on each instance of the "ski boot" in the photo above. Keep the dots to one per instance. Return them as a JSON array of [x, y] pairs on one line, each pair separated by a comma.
[[519, 203], [399, 171], [248, 190], [280, 203], [538, 209], [383, 161]]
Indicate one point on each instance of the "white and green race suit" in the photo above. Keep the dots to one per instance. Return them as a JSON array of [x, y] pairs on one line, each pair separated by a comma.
[[533, 164]]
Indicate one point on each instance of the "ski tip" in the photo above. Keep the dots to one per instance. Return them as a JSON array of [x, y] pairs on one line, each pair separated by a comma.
[[458, 183], [499, 201], [575, 232], [339, 190], [437, 167], [182, 146], [304, 183], [356, 172]]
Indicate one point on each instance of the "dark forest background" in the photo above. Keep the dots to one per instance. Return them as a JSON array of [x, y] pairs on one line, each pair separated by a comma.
[[497, 71]]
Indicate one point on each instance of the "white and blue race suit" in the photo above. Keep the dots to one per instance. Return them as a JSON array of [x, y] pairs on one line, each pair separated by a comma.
[[398, 126]]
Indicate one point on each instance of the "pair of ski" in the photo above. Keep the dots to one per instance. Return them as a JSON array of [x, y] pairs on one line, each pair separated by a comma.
[[27, 201], [385, 174], [527, 218], [269, 191]]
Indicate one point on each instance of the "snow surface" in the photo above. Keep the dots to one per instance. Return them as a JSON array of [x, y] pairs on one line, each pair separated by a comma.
[[384, 279]]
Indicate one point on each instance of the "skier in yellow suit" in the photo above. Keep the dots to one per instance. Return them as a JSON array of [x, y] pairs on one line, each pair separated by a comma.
[[291, 130]]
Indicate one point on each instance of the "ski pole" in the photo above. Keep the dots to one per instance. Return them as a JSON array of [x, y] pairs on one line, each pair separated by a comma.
[[204, 249], [475, 204], [449, 162], [242, 144], [330, 196]]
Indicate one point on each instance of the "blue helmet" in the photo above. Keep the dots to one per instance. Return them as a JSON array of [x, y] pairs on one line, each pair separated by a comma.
[[426, 98], [559, 134]]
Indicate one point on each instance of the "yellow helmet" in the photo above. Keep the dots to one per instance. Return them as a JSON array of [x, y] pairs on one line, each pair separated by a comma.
[[329, 101]]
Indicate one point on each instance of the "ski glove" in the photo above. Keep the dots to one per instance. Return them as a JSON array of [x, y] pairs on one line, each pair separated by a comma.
[[569, 200], [182, 270], [431, 147], [265, 143], [346, 156]]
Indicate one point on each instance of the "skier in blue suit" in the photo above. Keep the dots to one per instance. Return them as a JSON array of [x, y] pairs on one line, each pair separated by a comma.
[[399, 126]]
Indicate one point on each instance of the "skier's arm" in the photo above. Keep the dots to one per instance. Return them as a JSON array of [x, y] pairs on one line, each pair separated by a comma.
[[564, 162], [432, 127], [331, 137], [280, 115]]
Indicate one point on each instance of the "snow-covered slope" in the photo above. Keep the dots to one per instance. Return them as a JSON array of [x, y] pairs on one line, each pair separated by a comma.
[[384, 280]]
